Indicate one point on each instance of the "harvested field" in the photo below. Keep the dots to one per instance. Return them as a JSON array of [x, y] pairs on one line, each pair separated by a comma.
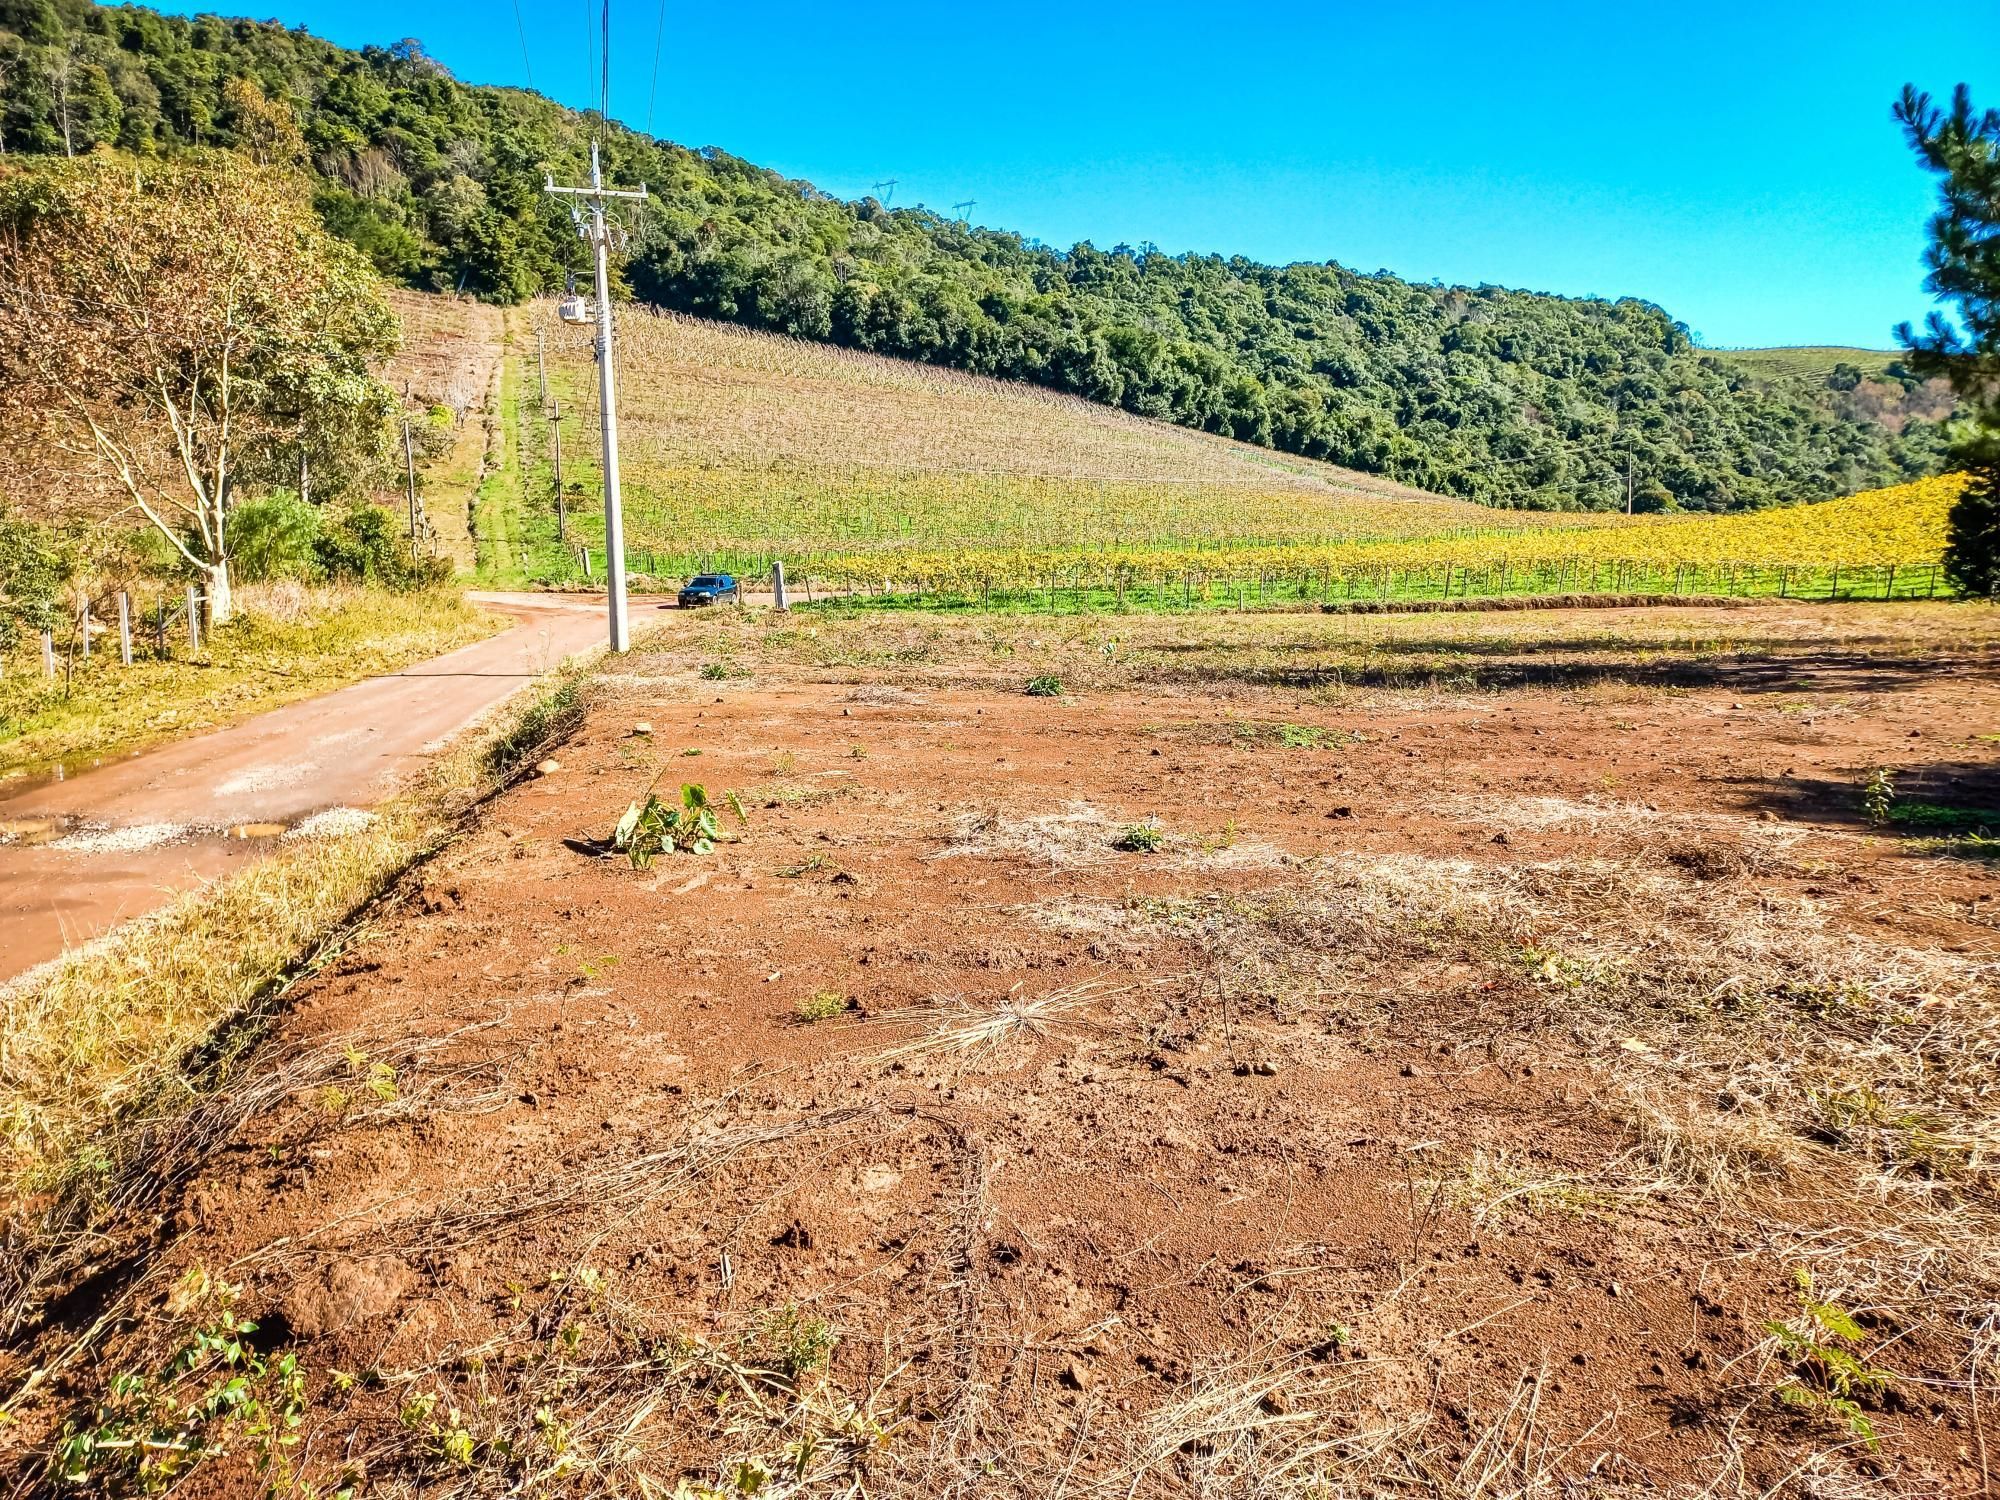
[[1454, 1056]]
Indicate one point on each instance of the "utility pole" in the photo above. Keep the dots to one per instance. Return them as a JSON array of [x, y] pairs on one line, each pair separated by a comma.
[[541, 369], [562, 509], [410, 480], [1628, 484], [593, 229]]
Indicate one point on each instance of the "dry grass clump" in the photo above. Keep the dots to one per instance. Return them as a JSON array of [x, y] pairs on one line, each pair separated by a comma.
[[1707, 845], [1493, 1186], [1081, 835], [1542, 814], [954, 1024], [1791, 1034]]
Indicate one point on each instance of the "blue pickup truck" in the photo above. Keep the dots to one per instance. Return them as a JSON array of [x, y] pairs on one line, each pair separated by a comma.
[[709, 588]]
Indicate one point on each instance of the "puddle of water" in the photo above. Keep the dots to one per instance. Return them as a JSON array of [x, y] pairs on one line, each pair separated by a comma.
[[30, 830]]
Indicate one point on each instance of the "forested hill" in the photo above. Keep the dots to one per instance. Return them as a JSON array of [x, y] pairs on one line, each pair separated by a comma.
[[1510, 397]]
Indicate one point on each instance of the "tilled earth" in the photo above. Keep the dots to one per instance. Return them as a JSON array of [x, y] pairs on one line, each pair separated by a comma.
[[1040, 1096]]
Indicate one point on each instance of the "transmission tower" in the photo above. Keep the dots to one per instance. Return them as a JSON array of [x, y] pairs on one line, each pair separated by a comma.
[[959, 210], [890, 184]]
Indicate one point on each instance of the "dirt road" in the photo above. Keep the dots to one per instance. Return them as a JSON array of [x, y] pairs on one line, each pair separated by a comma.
[[82, 855]]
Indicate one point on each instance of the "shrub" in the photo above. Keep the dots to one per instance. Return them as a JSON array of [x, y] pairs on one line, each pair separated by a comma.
[[364, 545], [652, 827], [1140, 838], [33, 572], [276, 536], [1045, 686]]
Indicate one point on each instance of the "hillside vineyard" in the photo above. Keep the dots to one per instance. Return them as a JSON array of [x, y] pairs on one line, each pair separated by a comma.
[[876, 477]]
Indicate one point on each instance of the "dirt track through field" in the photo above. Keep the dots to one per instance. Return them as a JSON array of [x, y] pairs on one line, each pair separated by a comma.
[[1095, 1159], [83, 854]]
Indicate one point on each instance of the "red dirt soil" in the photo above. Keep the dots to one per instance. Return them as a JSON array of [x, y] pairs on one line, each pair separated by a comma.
[[1168, 1180]]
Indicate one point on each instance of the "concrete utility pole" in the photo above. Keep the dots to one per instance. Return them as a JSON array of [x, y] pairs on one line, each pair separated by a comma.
[[1628, 484], [593, 229]]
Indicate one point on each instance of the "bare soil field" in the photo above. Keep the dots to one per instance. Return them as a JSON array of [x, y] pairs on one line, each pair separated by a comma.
[[1484, 1055]]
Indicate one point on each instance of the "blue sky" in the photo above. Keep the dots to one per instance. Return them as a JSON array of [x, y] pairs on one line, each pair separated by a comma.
[[1734, 162]]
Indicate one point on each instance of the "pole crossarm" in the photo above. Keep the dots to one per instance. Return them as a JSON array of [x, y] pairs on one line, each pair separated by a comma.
[[593, 192]]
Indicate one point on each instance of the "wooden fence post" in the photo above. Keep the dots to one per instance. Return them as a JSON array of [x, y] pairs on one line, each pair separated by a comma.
[[124, 628]]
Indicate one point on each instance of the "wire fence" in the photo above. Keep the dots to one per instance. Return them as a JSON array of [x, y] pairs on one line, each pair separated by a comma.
[[121, 629], [1086, 586]]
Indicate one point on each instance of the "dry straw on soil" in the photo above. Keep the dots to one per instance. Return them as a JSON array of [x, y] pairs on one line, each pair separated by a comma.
[[1081, 835]]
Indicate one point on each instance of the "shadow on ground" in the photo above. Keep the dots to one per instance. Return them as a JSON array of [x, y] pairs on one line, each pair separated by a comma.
[[1501, 666], [1949, 808]]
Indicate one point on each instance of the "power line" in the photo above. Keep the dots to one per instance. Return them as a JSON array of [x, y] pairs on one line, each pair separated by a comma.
[[589, 51], [604, 110], [521, 30], [659, 36]]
